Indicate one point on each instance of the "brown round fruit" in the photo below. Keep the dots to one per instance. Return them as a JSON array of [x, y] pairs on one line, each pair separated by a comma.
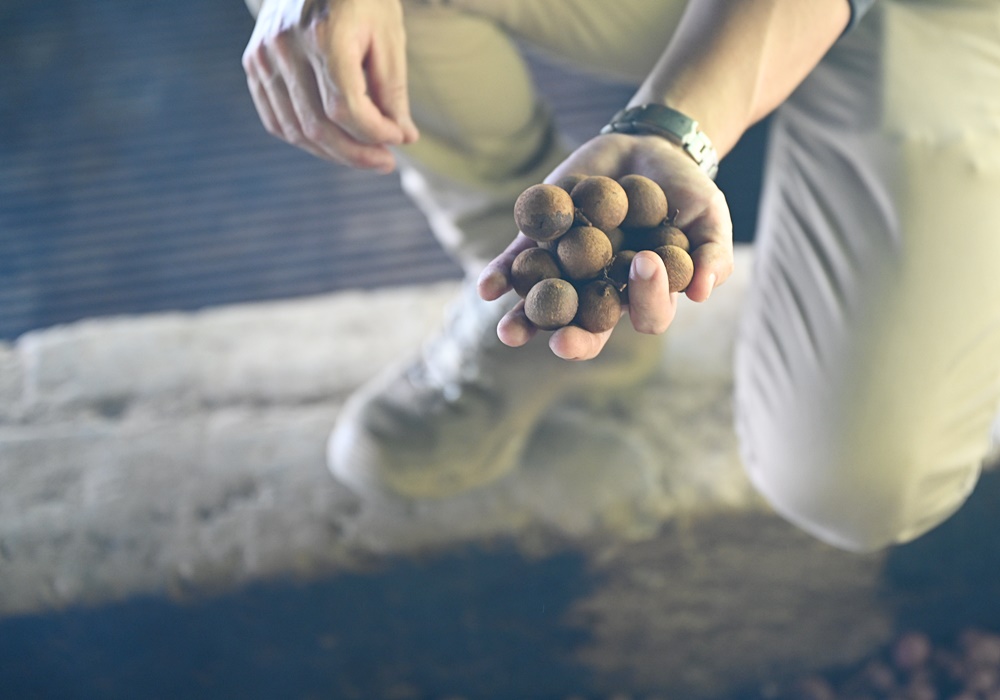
[[674, 236], [551, 304], [583, 252], [601, 201], [652, 238], [544, 212], [680, 266], [600, 307], [647, 204], [619, 268], [568, 182], [530, 267], [617, 238]]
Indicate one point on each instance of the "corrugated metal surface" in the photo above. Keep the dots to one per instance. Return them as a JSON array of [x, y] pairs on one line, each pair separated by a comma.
[[135, 176]]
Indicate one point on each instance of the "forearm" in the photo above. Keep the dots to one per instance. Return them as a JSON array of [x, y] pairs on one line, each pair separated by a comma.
[[731, 62]]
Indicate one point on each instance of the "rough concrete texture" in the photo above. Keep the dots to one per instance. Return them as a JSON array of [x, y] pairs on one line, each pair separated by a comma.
[[303, 351], [168, 451], [11, 383], [184, 453], [731, 600]]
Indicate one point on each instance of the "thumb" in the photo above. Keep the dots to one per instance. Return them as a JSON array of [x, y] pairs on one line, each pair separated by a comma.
[[651, 305]]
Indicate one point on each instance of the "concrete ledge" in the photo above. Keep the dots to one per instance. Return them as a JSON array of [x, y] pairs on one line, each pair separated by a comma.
[[187, 450], [304, 350], [183, 454]]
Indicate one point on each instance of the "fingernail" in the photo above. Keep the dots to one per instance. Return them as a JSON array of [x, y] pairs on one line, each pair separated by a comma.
[[711, 285], [643, 268]]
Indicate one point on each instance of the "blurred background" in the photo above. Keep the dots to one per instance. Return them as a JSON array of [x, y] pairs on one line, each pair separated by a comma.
[[136, 177]]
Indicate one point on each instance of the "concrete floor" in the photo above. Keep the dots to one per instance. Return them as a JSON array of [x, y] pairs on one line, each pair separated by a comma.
[[167, 524], [168, 528]]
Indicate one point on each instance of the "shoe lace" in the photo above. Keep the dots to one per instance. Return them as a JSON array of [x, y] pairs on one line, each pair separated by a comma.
[[455, 362]]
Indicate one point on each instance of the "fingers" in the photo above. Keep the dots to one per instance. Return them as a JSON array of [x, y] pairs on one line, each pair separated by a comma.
[[262, 103], [494, 280], [712, 237], [286, 96], [344, 93], [336, 88], [270, 96], [318, 131], [388, 86], [713, 264], [575, 343], [651, 306], [514, 328], [651, 310], [569, 343]]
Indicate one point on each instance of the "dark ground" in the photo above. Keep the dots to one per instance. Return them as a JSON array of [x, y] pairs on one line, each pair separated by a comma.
[[396, 633], [482, 624]]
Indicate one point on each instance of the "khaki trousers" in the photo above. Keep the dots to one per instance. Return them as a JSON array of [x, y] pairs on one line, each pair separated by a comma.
[[868, 358]]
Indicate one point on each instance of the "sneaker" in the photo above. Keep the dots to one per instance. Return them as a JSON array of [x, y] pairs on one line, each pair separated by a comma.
[[459, 416]]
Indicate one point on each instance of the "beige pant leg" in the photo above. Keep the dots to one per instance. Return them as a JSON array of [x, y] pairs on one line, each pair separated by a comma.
[[868, 365], [486, 134]]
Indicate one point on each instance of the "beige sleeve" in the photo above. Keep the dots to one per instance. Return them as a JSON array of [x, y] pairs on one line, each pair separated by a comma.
[[253, 6]]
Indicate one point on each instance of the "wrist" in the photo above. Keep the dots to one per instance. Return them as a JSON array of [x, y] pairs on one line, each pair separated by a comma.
[[671, 124]]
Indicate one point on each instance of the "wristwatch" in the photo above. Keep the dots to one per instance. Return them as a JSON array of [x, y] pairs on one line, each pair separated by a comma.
[[671, 125]]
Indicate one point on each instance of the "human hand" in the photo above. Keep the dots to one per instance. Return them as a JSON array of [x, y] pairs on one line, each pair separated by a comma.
[[702, 213], [329, 76]]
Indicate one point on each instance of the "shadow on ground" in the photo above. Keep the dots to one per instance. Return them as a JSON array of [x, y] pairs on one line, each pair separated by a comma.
[[478, 623]]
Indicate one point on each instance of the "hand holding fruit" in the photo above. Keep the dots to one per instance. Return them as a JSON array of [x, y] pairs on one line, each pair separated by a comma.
[[651, 280], [585, 225]]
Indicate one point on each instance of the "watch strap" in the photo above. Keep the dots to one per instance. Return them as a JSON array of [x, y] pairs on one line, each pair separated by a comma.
[[672, 125]]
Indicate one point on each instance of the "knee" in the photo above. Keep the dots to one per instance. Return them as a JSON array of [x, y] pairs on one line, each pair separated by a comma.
[[860, 488]]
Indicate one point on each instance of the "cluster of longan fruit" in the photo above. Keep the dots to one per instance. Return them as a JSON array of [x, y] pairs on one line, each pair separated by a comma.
[[588, 229]]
